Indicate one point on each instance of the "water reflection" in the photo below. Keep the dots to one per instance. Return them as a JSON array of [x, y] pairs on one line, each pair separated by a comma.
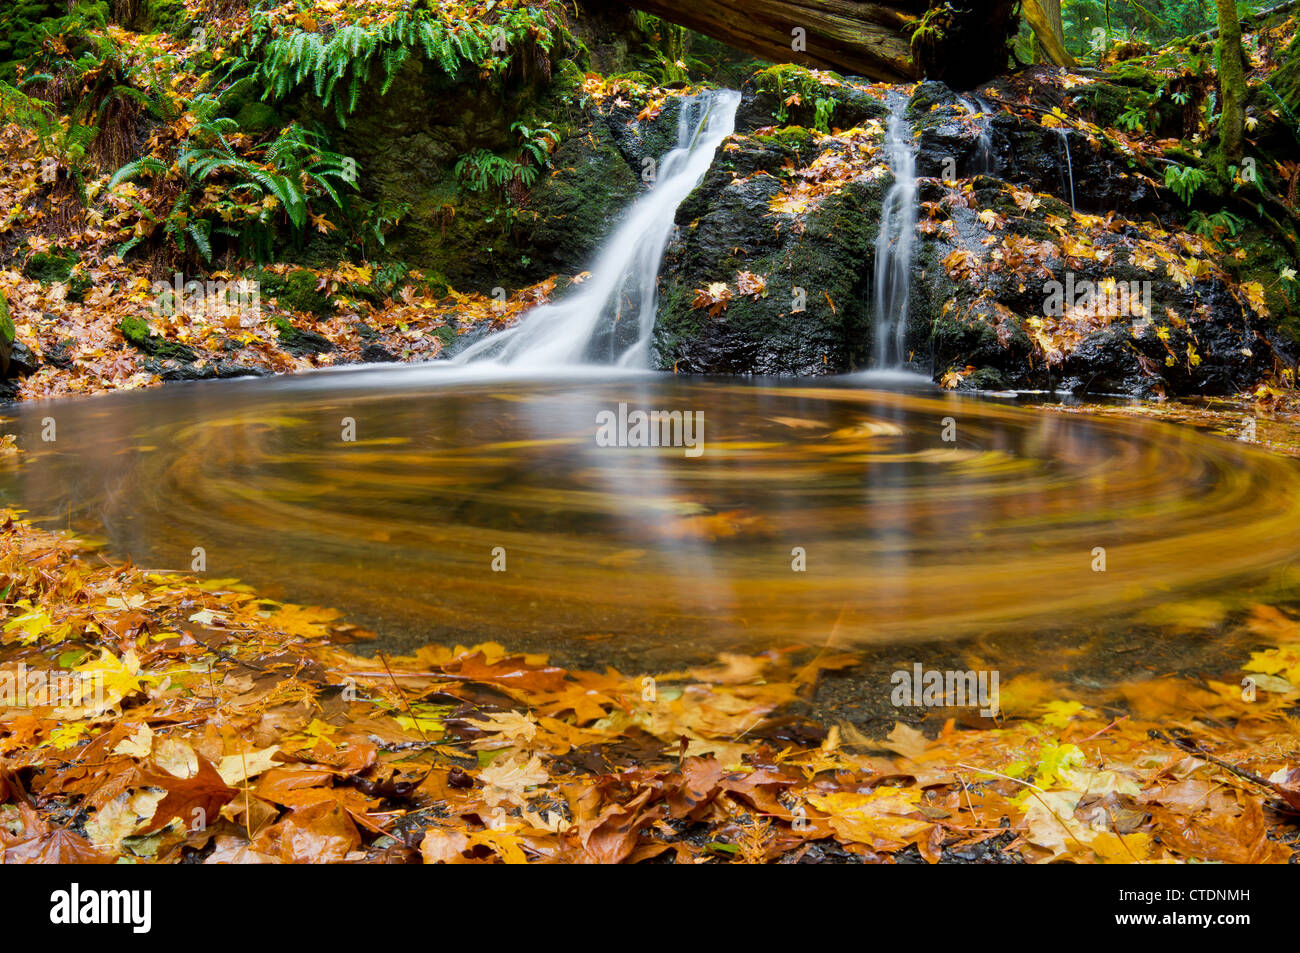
[[904, 534]]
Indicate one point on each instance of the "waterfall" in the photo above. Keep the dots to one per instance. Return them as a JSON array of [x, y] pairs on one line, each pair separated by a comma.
[[894, 241], [610, 319], [1069, 163], [983, 143]]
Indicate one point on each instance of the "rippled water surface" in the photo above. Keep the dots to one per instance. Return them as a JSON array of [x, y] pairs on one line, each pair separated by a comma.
[[904, 535]]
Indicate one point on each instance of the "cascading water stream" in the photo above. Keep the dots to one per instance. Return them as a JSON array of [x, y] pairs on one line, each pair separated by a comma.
[[1069, 163], [983, 164], [610, 319], [893, 278]]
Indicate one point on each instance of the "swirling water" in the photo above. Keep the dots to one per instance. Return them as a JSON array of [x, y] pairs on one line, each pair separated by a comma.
[[476, 500], [904, 534]]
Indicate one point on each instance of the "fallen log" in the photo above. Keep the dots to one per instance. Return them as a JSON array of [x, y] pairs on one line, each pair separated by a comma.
[[892, 41]]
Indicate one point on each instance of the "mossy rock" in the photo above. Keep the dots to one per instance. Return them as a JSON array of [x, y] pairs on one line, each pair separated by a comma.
[[58, 266], [985, 379], [579, 204], [818, 101], [447, 335], [256, 118], [788, 78], [295, 291], [137, 334], [50, 267], [7, 330], [7, 333], [298, 341]]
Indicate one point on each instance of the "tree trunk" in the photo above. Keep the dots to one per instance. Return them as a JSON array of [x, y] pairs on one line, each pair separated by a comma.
[[1044, 16], [893, 41], [1232, 86]]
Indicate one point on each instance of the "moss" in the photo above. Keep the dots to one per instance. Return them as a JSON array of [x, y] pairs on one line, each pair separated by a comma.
[[50, 267], [58, 266], [446, 335], [21, 27], [578, 204], [1285, 80], [7, 334], [295, 291], [137, 334], [1265, 258], [7, 330], [298, 341], [817, 98], [166, 16], [790, 77], [797, 138], [256, 118]]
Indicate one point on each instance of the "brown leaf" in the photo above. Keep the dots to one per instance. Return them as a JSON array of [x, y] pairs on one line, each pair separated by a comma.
[[205, 792]]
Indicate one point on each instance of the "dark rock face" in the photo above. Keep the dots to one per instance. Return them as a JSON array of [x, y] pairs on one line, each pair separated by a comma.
[[377, 354], [171, 371], [1005, 322], [21, 361], [1210, 346], [300, 341], [814, 316], [598, 173]]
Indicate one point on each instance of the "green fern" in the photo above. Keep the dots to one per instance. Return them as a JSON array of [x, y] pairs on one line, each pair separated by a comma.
[[336, 69], [293, 169], [1184, 180]]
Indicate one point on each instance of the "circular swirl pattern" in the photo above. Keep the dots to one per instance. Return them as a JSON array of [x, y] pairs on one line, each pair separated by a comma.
[[812, 512]]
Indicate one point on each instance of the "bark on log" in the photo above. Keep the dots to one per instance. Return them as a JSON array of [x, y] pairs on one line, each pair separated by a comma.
[[872, 39], [862, 38]]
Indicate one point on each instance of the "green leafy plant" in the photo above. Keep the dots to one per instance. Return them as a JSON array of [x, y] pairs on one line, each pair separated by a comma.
[[481, 170], [221, 191], [537, 143], [1184, 180], [1216, 224], [335, 68], [1132, 119]]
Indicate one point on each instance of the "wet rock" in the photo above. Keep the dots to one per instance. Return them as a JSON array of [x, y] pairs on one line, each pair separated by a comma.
[[580, 204], [300, 341], [813, 317], [137, 334], [377, 354], [60, 355], [171, 371], [21, 361], [16, 359]]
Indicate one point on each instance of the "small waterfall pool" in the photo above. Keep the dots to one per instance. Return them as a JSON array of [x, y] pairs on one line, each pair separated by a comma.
[[476, 499], [917, 516]]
